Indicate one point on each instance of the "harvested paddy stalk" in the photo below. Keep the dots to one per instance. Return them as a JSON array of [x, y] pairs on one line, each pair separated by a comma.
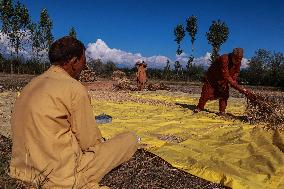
[[268, 109]]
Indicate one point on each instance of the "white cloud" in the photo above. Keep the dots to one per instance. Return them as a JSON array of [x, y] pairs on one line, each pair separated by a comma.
[[203, 61], [100, 50], [244, 63]]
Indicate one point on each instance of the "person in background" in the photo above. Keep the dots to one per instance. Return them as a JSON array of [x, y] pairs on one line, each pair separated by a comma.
[[141, 76]]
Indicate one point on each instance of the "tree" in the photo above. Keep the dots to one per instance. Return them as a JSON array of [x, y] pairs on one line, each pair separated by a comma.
[[96, 65], [179, 34], [14, 24], [36, 38], [191, 28], [46, 25], [218, 33], [276, 70], [177, 66], [167, 70], [189, 66], [265, 68], [258, 65], [19, 24], [6, 10], [2, 63], [109, 68], [72, 32]]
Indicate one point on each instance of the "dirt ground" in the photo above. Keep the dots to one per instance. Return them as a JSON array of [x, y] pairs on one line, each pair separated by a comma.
[[144, 170], [101, 89]]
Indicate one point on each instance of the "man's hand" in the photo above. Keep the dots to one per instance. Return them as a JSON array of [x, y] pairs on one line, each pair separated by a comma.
[[249, 94]]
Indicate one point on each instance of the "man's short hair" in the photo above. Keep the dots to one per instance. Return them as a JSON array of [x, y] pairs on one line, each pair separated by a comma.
[[239, 52], [64, 49]]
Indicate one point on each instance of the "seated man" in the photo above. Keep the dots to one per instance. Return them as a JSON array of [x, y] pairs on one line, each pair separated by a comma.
[[55, 137], [223, 71]]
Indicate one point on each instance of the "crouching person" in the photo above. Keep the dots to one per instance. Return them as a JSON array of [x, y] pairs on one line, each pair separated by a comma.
[[56, 142]]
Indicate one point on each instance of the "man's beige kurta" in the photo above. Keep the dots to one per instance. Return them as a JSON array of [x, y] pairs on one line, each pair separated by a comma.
[[55, 136]]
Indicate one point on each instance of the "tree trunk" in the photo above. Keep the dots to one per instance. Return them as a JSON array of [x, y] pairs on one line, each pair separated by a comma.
[[2, 67], [11, 68]]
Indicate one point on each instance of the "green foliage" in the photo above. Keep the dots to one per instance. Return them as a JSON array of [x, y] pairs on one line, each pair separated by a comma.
[[20, 21], [36, 39], [217, 35], [109, 68], [15, 24], [46, 25], [166, 71], [102, 69], [189, 62], [258, 64], [178, 74], [179, 35], [154, 73], [264, 68], [24, 67], [195, 73], [41, 35], [15, 20], [177, 70], [276, 70], [72, 32], [7, 11], [191, 28], [177, 66]]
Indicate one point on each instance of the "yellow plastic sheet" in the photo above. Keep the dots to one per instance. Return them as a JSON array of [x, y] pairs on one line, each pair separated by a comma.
[[225, 151]]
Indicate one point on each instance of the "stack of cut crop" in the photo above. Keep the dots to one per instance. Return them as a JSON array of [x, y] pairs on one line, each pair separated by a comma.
[[267, 109], [157, 86], [87, 75], [122, 82], [118, 75]]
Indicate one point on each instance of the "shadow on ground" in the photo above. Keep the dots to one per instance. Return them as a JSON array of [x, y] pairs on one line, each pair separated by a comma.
[[191, 107]]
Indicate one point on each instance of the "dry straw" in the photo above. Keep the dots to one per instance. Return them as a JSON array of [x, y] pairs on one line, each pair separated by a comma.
[[266, 109]]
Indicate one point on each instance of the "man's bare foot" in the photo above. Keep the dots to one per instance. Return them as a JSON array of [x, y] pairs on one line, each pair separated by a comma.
[[221, 113], [196, 110]]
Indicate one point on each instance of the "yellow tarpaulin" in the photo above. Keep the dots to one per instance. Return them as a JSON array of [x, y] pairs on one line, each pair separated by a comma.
[[222, 150]]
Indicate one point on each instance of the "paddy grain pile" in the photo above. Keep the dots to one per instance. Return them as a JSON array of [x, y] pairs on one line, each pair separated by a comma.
[[268, 109]]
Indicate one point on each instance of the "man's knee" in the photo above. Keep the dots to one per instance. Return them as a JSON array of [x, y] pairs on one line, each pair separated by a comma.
[[129, 138]]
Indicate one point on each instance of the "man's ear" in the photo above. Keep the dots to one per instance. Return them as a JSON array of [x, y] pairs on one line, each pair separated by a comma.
[[73, 63], [73, 60]]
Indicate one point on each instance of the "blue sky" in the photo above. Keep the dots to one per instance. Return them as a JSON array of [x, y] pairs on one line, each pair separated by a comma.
[[146, 27]]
